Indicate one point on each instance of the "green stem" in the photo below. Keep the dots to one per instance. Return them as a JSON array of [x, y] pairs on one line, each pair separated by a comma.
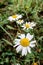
[[6, 32]]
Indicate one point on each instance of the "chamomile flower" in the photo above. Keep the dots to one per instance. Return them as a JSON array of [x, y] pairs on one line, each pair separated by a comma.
[[20, 21], [28, 25], [14, 17], [24, 43], [35, 63]]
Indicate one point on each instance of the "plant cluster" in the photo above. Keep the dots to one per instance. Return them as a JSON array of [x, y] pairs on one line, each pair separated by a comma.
[[21, 32]]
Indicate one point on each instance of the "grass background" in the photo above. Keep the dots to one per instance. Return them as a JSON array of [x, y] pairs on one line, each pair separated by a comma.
[[32, 10]]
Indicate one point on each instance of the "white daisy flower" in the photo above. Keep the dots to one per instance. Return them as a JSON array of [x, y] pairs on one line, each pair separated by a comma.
[[14, 17], [24, 43], [20, 21], [28, 25]]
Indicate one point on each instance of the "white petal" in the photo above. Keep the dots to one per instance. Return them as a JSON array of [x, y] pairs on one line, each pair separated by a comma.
[[16, 44], [29, 36], [10, 18], [29, 22], [32, 45], [17, 64], [30, 27], [20, 22], [14, 19], [19, 16], [19, 48], [27, 28], [33, 24], [24, 28], [23, 25], [33, 42], [16, 41], [22, 36], [29, 49], [24, 51]]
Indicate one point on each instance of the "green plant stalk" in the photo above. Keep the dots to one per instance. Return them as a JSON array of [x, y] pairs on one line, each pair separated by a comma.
[[6, 32], [7, 41]]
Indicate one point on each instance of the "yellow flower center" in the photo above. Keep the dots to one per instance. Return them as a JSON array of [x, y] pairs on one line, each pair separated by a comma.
[[27, 25], [20, 20], [14, 16], [35, 64], [25, 42]]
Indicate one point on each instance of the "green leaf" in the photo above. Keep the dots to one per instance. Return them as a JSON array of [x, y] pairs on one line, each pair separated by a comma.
[[9, 27], [9, 43], [6, 32]]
